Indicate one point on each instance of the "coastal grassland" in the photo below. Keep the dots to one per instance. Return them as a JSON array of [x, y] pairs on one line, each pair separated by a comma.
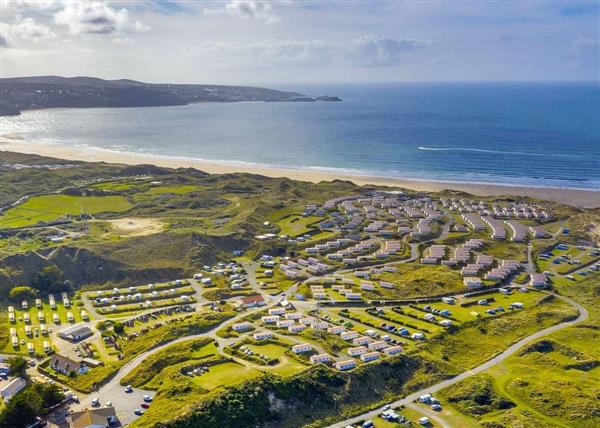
[[415, 280], [48, 208], [296, 225], [553, 381], [287, 364], [507, 250], [481, 339]]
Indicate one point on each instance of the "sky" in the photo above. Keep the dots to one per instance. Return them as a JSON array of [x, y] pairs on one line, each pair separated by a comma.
[[301, 41]]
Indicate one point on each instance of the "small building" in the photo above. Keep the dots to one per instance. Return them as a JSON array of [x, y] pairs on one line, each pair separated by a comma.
[[241, 326], [320, 358], [301, 348], [253, 301], [93, 418], [472, 282], [358, 350], [362, 340], [375, 346], [538, 280], [369, 356], [13, 387], [65, 365], [270, 319], [349, 335], [296, 328], [276, 311], [345, 365], [285, 323], [393, 350], [336, 329], [261, 335], [76, 333]]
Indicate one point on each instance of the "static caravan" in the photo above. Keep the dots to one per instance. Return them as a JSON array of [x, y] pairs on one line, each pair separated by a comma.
[[41, 316], [70, 316], [84, 315], [43, 329], [11, 317], [38, 303], [30, 348], [13, 331], [47, 347], [55, 318], [28, 330], [26, 317], [15, 342], [24, 304]]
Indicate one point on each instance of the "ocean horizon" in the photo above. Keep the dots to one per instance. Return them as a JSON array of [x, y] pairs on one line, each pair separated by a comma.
[[516, 134]]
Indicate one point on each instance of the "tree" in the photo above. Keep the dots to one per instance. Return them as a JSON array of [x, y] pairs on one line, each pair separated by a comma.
[[21, 292], [18, 366], [118, 327], [50, 280]]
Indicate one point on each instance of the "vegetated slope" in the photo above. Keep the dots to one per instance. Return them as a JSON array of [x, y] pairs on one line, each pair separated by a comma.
[[301, 400], [23, 93]]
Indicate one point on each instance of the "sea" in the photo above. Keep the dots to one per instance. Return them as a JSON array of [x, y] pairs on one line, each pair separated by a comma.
[[523, 134]]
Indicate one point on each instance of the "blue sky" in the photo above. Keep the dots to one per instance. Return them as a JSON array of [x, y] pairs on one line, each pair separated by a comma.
[[302, 41]]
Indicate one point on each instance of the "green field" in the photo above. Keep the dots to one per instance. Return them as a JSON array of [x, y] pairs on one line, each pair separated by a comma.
[[287, 366], [52, 207], [296, 225], [224, 375]]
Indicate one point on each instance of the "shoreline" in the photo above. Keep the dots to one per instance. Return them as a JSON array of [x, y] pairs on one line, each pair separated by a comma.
[[576, 197]]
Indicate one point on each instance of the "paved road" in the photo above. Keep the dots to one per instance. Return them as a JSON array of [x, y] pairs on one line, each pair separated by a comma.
[[583, 314]]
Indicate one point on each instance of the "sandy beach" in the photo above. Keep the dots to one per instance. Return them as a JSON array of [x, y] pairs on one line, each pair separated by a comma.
[[580, 198]]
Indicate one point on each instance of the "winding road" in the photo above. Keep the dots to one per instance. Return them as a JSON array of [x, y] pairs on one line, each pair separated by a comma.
[[583, 315]]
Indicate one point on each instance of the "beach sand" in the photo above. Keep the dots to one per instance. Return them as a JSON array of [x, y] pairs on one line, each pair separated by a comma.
[[580, 198]]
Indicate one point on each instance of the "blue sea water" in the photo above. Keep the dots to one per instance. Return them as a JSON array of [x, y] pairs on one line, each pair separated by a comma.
[[541, 134]]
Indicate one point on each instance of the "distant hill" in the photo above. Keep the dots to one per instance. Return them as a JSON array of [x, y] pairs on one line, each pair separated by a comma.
[[36, 92]]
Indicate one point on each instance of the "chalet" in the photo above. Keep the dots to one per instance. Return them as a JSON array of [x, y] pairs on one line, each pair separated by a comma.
[[296, 328], [375, 346], [345, 365], [270, 319], [336, 329], [349, 335], [320, 358], [538, 280], [301, 348], [261, 335], [363, 340], [276, 311], [241, 326], [370, 356], [359, 350], [393, 350], [285, 323]]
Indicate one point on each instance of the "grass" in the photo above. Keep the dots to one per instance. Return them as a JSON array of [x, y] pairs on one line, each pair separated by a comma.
[[287, 366], [175, 189], [49, 208], [296, 225], [479, 340], [507, 250], [414, 280], [224, 375]]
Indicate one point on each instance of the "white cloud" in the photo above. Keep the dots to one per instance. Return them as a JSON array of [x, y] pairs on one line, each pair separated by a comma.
[[587, 53], [29, 29], [247, 9], [365, 51], [95, 17]]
